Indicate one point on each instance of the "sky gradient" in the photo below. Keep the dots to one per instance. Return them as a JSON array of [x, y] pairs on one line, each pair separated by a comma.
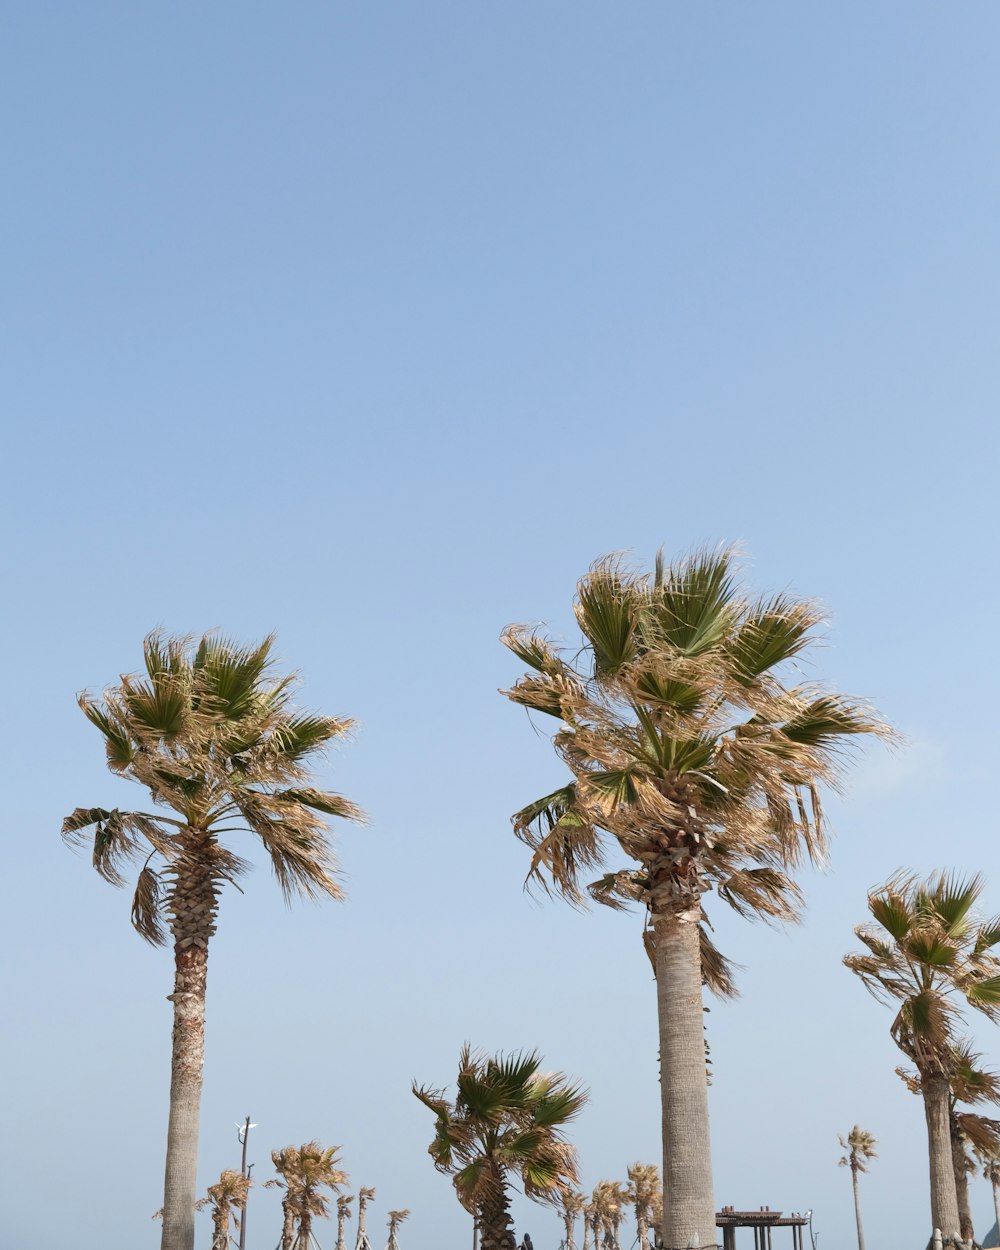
[[374, 326]]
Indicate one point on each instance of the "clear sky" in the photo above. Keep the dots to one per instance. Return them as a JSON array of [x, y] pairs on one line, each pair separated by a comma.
[[374, 325]]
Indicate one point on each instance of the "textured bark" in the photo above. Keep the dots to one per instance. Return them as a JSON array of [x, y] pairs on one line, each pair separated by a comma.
[[641, 1226], [187, 1061], [287, 1224], [959, 1163], [495, 1232], [689, 1206], [996, 1207], [857, 1209], [944, 1197], [569, 1222], [305, 1229]]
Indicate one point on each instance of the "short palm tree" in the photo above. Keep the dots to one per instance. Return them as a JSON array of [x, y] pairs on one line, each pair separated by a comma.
[[228, 1194], [860, 1146], [211, 733], [507, 1121], [571, 1203], [609, 1199], [691, 754], [365, 1194], [306, 1172], [927, 955], [343, 1215], [395, 1219], [644, 1187]]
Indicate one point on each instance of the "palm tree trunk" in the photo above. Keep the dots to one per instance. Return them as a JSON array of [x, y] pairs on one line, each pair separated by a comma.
[[640, 1228], [287, 1224], [959, 1163], [996, 1207], [494, 1222], [305, 1229], [187, 1061], [944, 1196], [568, 1223], [857, 1209], [689, 1206]]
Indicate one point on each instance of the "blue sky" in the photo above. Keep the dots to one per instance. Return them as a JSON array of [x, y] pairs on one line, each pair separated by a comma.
[[374, 326]]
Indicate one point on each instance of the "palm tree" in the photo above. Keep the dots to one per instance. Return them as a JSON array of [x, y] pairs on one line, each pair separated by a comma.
[[306, 1171], [211, 733], [592, 1221], [689, 753], [860, 1145], [507, 1120], [571, 1203], [991, 1173], [228, 1193], [643, 1188], [395, 1219], [588, 1224], [365, 1194], [927, 953], [343, 1214], [609, 1199]]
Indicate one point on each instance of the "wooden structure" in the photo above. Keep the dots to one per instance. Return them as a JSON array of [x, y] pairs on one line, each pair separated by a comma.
[[762, 1222]]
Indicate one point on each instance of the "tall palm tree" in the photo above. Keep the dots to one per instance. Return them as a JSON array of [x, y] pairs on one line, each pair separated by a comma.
[[860, 1146], [507, 1121], [571, 1203], [928, 955], [365, 1194], [690, 753], [643, 1187], [343, 1215], [395, 1219], [211, 733], [229, 1193], [306, 1171]]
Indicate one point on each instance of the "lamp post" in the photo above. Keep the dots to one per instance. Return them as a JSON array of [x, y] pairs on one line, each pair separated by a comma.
[[242, 1136]]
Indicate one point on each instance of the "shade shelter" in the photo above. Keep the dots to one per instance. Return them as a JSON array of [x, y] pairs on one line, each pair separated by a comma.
[[762, 1222]]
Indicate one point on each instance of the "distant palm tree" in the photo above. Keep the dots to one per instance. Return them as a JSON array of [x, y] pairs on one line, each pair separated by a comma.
[[212, 735], [343, 1214], [690, 753], [307, 1171], [592, 1223], [571, 1203], [610, 1199], [927, 954], [365, 1194], [860, 1146], [643, 1189], [588, 1223], [991, 1173], [229, 1193], [507, 1121], [395, 1219]]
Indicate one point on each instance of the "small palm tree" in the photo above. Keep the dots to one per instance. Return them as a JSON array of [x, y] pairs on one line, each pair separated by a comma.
[[212, 735], [365, 1194], [343, 1215], [643, 1188], [860, 1146], [927, 955], [571, 1203], [692, 755], [306, 1172], [395, 1219], [507, 1121], [609, 1199], [228, 1194]]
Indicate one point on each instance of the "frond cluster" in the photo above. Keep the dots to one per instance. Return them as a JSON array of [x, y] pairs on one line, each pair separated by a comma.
[[212, 734], [306, 1172], [928, 954], [687, 747], [506, 1120]]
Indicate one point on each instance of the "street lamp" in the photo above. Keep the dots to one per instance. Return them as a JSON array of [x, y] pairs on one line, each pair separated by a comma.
[[243, 1132]]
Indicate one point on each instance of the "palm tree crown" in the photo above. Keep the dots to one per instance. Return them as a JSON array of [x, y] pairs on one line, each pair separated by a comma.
[[860, 1145], [213, 737], [306, 1171], [506, 1121]]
